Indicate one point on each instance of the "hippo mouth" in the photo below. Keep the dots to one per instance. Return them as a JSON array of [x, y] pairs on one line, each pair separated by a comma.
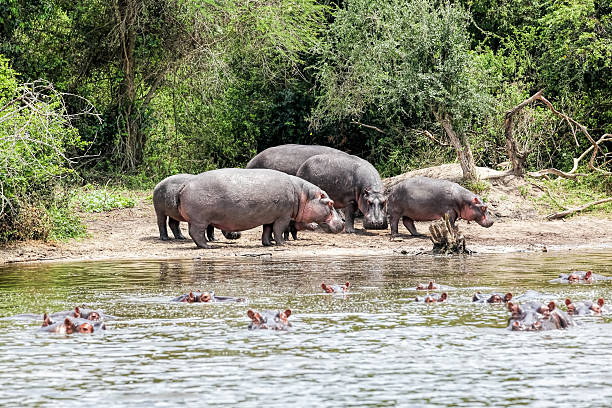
[[375, 225]]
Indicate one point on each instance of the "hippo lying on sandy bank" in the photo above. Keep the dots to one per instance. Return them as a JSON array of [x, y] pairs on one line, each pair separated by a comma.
[[269, 319], [165, 202], [427, 199], [241, 199], [536, 316]]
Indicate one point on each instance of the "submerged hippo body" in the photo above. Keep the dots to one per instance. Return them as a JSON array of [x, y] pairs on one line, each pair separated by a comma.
[[269, 320], [586, 308], [536, 316], [580, 277], [342, 289], [353, 183], [491, 297], [427, 199], [241, 199], [165, 202], [289, 157], [70, 325], [432, 298], [204, 297]]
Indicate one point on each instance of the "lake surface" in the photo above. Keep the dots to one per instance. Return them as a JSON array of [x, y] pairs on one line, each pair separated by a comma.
[[374, 347]]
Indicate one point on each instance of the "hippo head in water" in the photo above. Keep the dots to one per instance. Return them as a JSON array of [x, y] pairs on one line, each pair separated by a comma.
[[373, 205], [269, 319], [475, 210]]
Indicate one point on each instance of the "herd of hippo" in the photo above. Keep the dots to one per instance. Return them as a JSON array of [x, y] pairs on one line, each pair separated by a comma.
[[529, 315], [292, 187]]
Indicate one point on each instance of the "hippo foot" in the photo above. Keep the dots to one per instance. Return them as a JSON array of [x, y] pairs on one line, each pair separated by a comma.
[[349, 230], [181, 237], [166, 238], [205, 246]]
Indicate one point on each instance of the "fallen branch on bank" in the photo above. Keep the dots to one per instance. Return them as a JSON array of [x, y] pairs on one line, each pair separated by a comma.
[[565, 213]]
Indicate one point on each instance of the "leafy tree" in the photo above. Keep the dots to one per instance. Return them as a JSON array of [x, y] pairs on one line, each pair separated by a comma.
[[402, 62]]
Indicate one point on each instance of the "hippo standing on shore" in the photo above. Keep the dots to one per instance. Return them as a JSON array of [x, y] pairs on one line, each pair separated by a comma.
[[289, 157], [352, 183], [428, 199], [165, 202], [241, 199]]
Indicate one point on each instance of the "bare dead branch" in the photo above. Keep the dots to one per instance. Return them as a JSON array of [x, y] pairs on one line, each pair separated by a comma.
[[354, 122], [569, 211]]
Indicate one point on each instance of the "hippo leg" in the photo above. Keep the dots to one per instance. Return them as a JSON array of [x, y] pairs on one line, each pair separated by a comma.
[[161, 225], [210, 233], [198, 234], [409, 223], [349, 218], [279, 227], [266, 235], [176, 230], [231, 235], [394, 222], [293, 230]]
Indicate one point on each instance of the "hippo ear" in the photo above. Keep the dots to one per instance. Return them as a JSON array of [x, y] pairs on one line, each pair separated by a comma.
[[475, 200], [551, 306], [77, 312], [288, 312], [46, 321], [251, 314], [568, 302], [347, 284], [600, 302], [508, 297], [443, 297], [483, 208], [588, 275]]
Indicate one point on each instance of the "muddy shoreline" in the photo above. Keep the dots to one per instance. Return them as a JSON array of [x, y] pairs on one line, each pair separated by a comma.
[[131, 234]]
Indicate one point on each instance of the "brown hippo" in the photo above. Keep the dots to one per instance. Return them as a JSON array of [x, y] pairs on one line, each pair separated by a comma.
[[428, 199], [165, 202], [241, 199]]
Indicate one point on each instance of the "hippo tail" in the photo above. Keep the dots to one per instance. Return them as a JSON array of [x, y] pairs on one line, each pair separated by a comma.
[[178, 203]]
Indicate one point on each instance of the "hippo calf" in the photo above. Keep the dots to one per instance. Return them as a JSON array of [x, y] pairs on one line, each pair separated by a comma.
[[335, 288], [428, 199], [353, 183], [241, 199], [269, 319], [491, 298], [204, 297], [165, 202], [536, 316]]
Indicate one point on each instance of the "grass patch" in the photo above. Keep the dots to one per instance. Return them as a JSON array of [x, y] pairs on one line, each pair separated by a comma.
[[65, 224], [100, 200], [562, 194]]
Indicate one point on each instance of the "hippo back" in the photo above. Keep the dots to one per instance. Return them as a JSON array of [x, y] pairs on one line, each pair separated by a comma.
[[289, 157]]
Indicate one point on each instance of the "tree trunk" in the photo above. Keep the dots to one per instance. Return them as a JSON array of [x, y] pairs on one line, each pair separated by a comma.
[[461, 146], [125, 14]]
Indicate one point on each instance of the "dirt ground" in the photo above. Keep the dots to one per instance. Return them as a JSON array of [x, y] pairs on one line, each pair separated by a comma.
[[132, 234]]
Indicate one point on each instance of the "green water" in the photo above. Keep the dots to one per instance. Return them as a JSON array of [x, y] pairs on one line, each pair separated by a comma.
[[375, 347]]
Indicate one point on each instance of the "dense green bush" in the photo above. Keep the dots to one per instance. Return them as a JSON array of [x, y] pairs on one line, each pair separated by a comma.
[[35, 138]]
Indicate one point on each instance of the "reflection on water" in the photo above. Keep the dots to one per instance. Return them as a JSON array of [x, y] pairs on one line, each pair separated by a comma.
[[374, 347]]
